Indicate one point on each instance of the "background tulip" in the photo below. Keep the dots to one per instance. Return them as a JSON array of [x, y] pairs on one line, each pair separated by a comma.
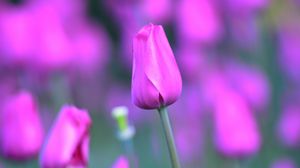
[[21, 131], [236, 132], [67, 143]]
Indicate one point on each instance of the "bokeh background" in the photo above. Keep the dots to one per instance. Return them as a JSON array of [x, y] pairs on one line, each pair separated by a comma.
[[80, 52]]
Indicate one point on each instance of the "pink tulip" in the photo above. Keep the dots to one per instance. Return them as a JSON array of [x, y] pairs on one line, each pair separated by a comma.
[[67, 143], [156, 79], [122, 162], [197, 21], [236, 130], [21, 132]]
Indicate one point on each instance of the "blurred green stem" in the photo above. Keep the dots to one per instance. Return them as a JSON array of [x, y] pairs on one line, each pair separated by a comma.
[[237, 163], [129, 149], [169, 136]]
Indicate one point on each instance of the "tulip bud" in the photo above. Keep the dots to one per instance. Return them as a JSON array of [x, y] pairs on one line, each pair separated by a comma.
[[67, 143], [156, 80], [21, 132], [122, 162], [236, 130]]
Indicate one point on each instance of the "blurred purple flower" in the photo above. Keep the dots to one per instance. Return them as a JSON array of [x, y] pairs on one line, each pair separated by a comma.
[[248, 27], [192, 61], [213, 85], [189, 142], [121, 162], [68, 10], [157, 11], [188, 130], [129, 22], [289, 58], [17, 43], [156, 80], [91, 46], [236, 132], [289, 125], [251, 83], [242, 6], [283, 163], [21, 131], [67, 143], [197, 21], [54, 50]]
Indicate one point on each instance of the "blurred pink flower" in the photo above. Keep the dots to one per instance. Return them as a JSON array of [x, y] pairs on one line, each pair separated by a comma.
[[192, 61], [54, 50], [289, 55], [121, 162], [283, 163], [188, 130], [17, 42], [197, 21], [189, 142], [242, 6], [248, 27], [21, 131], [67, 143], [236, 131], [129, 23], [91, 46], [68, 10], [156, 80], [213, 85], [289, 125], [157, 11], [251, 83]]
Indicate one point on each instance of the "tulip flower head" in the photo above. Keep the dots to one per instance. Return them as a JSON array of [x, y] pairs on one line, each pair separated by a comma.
[[68, 141], [156, 80], [21, 132]]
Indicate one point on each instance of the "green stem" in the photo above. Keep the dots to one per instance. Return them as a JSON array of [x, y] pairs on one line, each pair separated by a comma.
[[237, 163], [169, 136], [129, 149]]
